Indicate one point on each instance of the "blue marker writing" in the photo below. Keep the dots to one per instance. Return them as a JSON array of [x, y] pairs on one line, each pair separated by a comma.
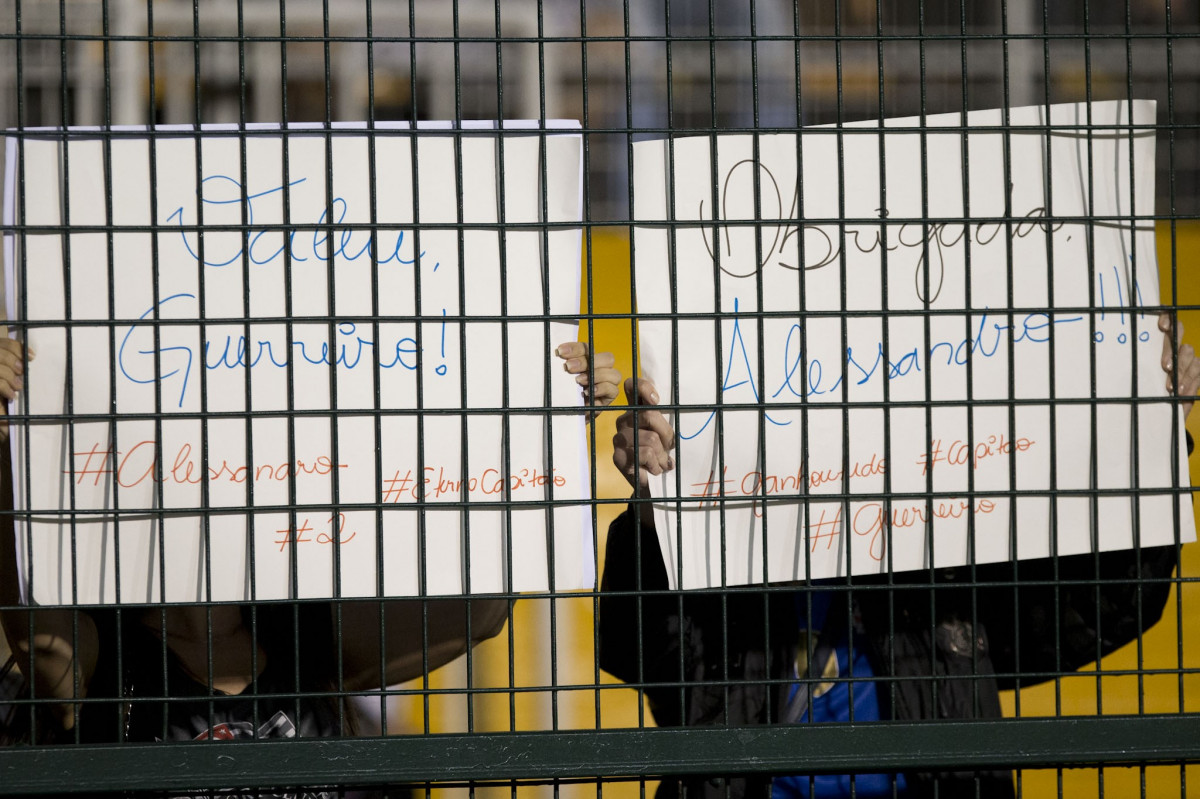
[[346, 243], [154, 363]]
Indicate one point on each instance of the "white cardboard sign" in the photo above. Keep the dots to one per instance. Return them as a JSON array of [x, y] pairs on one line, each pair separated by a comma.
[[359, 325], [863, 390]]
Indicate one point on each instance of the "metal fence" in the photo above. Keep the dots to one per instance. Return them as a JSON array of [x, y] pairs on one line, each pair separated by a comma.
[[1065, 674]]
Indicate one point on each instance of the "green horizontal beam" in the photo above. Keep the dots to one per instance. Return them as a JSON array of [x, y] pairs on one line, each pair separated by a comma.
[[587, 754]]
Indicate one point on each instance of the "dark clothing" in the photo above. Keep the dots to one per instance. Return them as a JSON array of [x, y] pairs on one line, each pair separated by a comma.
[[143, 671], [140, 691], [263, 710], [926, 631]]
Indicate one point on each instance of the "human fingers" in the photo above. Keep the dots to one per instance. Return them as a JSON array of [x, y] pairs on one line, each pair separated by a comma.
[[574, 355], [641, 391], [607, 384], [601, 382], [638, 449], [646, 428], [1171, 348], [12, 367], [1179, 361], [650, 423], [596, 374], [1167, 321], [1187, 375], [1189, 370], [648, 449], [577, 355], [12, 371], [637, 470]]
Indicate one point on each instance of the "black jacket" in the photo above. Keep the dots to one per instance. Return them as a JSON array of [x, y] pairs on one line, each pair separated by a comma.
[[947, 639]]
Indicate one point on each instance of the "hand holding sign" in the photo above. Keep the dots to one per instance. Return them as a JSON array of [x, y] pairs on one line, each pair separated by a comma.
[[644, 438], [597, 376], [1179, 362], [12, 371]]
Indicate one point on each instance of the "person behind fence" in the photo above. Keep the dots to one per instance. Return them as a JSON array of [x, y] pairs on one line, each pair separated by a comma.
[[925, 650], [231, 671]]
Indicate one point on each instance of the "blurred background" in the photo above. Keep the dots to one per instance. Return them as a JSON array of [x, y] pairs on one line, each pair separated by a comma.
[[631, 71]]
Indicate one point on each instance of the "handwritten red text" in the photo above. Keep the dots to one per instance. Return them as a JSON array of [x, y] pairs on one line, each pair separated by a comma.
[[438, 483], [304, 533], [141, 464], [765, 484], [872, 518], [961, 453]]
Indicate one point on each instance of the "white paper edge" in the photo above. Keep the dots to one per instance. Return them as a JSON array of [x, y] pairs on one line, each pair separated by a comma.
[[532, 125], [9, 249], [589, 542]]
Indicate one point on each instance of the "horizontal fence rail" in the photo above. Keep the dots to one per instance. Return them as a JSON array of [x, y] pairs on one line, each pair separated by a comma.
[[584, 755]]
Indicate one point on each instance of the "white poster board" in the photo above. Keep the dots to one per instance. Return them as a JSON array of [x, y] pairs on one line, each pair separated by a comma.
[[298, 319], [857, 396]]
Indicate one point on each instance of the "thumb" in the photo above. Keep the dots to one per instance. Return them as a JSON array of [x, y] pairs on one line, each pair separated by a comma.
[[640, 391]]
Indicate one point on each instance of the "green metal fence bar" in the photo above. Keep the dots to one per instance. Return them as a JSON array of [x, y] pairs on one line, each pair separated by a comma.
[[584, 754]]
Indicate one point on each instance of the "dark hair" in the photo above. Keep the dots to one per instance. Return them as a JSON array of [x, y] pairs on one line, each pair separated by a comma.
[[137, 682]]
